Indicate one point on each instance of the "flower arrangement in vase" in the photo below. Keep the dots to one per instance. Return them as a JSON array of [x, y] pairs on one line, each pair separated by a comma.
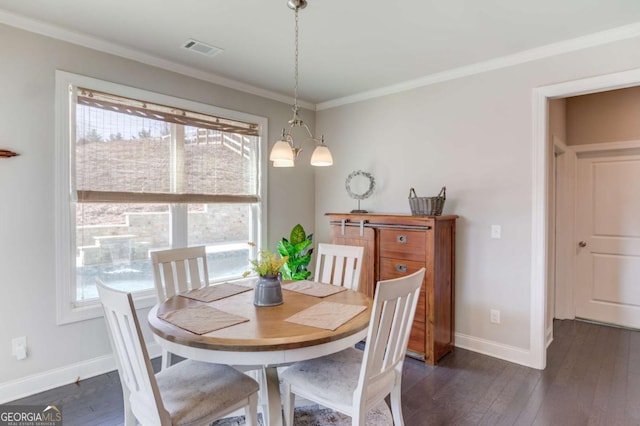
[[268, 290]]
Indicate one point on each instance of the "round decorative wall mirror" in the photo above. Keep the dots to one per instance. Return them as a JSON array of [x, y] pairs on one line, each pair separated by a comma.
[[360, 185]]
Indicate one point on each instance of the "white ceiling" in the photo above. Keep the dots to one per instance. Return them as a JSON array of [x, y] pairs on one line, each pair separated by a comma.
[[346, 47]]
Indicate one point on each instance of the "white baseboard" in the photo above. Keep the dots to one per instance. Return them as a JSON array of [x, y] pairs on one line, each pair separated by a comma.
[[40, 382], [549, 336], [497, 350]]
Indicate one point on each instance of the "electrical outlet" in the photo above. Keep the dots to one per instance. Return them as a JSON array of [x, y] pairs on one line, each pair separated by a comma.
[[19, 347], [495, 316], [496, 232]]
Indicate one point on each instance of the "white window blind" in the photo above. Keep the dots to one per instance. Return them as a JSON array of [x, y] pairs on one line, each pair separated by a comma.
[[130, 150]]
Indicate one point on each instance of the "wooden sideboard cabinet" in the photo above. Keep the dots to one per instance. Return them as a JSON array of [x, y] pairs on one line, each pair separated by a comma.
[[397, 245]]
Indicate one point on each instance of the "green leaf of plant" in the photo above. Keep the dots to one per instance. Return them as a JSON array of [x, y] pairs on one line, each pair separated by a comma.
[[294, 264], [297, 234], [302, 275], [305, 259], [286, 272], [285, 248], [299, 248], [281, 248]]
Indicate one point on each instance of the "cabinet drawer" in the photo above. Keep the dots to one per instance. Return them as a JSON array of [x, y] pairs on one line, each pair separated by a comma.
[[396, 268], [403, 244]]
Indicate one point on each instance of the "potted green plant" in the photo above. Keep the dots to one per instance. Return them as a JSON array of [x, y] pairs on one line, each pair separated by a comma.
[[268, 290], [296, 250]]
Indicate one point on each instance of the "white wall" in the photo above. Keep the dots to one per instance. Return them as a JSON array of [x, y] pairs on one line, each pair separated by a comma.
[[474, 135], [27, 244]]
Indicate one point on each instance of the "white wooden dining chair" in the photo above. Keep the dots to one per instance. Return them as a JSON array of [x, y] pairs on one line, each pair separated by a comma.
[[339, 265], [187, 393], [352, 381], [178, 271]]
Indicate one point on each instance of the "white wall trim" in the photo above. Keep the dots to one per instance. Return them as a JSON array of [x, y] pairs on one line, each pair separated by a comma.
[[571, 45], [539, 232], [40, 382], [90, 42], [597, 84], [492, 348], [541, 97], [606, 146], [566, 163]]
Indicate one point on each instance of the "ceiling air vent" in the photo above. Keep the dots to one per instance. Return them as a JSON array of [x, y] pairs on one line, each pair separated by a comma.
[[201, 48]]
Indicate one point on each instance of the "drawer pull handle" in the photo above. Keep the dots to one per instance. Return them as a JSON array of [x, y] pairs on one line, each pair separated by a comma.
[[402, 239], [401, 267]]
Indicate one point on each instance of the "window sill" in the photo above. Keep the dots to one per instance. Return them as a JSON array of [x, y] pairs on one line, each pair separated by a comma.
[[93, 309]]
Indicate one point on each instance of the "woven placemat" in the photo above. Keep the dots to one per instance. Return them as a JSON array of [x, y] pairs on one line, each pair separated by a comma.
[[201, 319], [215, 292], [327, 315], [312, 288]]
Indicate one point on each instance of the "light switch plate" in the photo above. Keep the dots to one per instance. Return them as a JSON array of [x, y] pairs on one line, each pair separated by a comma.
[[496, 232], [19, 347]]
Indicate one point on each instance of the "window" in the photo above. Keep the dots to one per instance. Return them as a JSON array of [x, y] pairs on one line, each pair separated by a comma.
[[139, 171]]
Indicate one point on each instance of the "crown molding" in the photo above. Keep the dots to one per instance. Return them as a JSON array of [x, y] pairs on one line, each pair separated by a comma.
[[84, 40], [549, 50], [554, 49]]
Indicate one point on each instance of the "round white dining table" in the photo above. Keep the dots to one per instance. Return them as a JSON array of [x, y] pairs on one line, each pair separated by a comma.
[[266, 340]]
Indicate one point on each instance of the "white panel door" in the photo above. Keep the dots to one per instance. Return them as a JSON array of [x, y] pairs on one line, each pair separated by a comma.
[[608, 246]]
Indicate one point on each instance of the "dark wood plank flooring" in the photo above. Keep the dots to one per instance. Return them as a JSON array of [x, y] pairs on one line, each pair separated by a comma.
[[592, 378]]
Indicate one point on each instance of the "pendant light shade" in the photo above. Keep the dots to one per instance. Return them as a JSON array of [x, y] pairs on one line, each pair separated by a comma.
[[281, 151], [321, 156]]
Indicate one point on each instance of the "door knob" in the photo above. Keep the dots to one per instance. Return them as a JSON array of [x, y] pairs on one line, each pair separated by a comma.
[[582, 244]]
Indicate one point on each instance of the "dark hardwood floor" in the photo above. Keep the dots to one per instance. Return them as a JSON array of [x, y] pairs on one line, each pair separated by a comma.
[[592, 378]]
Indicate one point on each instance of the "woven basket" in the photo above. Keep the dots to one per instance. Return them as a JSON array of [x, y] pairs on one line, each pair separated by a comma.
[[427, 206]]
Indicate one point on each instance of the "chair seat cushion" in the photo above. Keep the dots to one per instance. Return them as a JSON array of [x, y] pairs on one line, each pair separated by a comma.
[[194, 391], [333, 377]]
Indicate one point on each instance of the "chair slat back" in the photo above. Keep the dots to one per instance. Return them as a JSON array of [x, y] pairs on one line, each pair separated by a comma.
[[179, 270], [392, 316], [339, 265], [134, 366]]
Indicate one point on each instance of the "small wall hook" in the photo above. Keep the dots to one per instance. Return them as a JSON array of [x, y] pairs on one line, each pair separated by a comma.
[[4, 153]]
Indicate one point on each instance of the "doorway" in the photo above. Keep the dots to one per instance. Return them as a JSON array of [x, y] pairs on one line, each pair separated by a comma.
[[541, 190]]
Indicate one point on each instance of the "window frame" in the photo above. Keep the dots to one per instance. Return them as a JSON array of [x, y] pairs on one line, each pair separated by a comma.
[[68, 309]]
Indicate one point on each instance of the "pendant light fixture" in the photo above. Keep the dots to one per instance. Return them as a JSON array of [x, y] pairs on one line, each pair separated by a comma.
[[285, 151]]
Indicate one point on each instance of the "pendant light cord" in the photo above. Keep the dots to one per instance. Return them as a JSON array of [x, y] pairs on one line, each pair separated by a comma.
[[295, 87]]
